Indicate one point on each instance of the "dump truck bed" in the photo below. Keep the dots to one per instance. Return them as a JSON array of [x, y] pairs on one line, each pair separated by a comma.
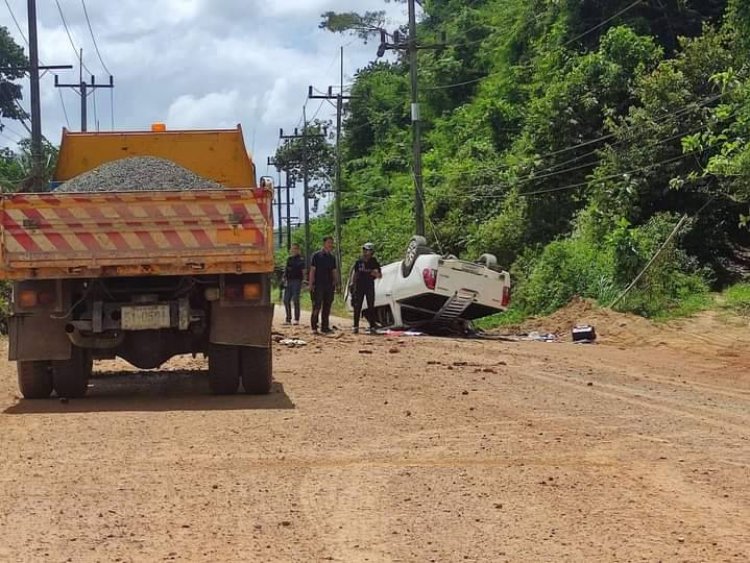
[[55, 236]]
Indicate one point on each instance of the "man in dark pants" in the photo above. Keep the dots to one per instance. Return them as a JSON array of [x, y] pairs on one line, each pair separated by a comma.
[[294, 273], [362, 283], [323, 278]]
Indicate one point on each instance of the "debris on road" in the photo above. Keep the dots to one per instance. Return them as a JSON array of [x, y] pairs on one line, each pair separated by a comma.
[[542, 337], [584, 334], [292, 342]]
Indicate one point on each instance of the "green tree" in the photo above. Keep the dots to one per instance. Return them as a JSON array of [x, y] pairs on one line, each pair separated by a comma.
[[11, 56], [312, 152]]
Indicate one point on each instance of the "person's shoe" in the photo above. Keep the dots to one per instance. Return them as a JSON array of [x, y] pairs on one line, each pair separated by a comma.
[[372, 330], [287, 322], [295, 323], [327, 331], [355, 330]]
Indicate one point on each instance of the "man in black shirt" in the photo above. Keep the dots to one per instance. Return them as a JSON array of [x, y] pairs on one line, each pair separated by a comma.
[[362, 283], [323, 278], [294, 273]]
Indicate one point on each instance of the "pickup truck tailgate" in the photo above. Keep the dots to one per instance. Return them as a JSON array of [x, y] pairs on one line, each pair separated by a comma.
[[135, 233]]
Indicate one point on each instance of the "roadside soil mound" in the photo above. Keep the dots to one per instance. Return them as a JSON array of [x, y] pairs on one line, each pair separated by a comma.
[[708, 333]]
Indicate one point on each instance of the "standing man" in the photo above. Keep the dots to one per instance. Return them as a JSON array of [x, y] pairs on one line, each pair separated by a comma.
[[362, 283], [323, 278], [294, 273]]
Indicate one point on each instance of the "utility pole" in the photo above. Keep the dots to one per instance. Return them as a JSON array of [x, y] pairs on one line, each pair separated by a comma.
[[37, 157], [84, 90], [272, 162], [289, 202], [340, 97], [36, 107], [305, 175], [412, 47]]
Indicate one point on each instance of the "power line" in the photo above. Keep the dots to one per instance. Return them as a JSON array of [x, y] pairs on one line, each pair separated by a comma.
[[497, 73], [18, 26], [93, 38], [584, 184], [534, 176], [602, 24], [26, 41], [70, 37], [65, 110]]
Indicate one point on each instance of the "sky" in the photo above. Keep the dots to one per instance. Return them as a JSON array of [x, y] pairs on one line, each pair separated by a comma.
[[194, 64]]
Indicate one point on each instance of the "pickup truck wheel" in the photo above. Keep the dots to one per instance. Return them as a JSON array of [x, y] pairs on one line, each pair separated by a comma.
[[223, 369], [257, 370], [34, 379], [417, 247], [70, 378]]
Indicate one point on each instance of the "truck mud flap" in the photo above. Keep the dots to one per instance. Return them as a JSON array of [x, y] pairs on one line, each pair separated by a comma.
[[38, 337], [241, 325]]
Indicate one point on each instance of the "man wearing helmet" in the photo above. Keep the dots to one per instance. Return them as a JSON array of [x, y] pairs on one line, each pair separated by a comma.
[[362, 283]]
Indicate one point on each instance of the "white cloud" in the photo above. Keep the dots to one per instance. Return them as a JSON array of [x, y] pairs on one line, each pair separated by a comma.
[[214, 110], [199, 63]]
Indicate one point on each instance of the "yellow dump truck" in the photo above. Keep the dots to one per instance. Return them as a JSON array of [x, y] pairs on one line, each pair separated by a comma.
[[142, 275]]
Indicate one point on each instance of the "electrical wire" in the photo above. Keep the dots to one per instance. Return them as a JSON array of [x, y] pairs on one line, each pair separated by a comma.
[[70, 37], [602, 24], [26, 41], [497, 73], [65, 110], [93, 38], [18, 26], [584, 184], [536, 176]]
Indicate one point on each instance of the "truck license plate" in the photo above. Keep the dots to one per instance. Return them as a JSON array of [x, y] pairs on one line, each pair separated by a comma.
[[145, 317]]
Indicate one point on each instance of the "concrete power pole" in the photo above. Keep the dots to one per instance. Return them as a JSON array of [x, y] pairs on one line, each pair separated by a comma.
[[36, 107], [278, 187], [340, 97], [306, 175], [415, 120], [84, 90], [37, 157], [412, 47]]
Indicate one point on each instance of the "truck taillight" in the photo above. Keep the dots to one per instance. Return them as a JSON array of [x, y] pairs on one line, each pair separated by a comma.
[[28, 298], [430, 278], [506, 296], [247, 292]]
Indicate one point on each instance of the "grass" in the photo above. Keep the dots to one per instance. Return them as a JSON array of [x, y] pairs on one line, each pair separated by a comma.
[[512, 317], [687, 306], [737, 298]]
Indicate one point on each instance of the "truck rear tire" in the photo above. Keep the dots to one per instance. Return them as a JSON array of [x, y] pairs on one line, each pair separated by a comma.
[[224, 369], [257, 370], [34, 379], [70, 378]]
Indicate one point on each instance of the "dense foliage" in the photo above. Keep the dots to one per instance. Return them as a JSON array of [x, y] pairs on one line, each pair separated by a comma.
[[568, 137]]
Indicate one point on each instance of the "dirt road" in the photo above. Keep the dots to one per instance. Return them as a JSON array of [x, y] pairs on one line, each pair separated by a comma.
[[387, 449]]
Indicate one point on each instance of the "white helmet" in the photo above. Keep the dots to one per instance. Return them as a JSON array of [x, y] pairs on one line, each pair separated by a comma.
[[368, 246]]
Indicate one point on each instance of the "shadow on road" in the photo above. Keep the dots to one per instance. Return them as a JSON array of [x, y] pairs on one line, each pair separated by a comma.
[[157, 391]]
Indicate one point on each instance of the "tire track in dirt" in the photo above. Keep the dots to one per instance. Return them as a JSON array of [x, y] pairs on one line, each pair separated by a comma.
[[706, 415]]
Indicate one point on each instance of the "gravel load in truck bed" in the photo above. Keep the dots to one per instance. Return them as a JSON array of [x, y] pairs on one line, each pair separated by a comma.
[[135, 174]]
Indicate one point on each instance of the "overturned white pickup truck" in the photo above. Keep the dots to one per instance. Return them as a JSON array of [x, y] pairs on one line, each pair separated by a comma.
[[429, 291]]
